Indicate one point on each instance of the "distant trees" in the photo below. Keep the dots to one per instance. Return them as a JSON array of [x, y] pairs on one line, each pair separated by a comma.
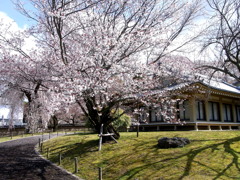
[[223, 38], [67, 115]]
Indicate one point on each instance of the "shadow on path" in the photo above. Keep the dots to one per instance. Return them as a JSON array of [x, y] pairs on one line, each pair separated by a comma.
[[19, 161]]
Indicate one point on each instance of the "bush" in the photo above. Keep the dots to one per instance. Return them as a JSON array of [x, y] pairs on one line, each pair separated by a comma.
[[123, 122]]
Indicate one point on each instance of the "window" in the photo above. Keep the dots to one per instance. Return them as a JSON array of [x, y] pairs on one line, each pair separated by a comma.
[[238, 113], [143, 117], [214, 113], [184, 111], [200, 107], [155, 115], [152, 116], [227, 111]]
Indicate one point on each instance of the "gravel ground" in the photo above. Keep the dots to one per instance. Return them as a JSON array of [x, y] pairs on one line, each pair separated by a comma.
[[19, 161]]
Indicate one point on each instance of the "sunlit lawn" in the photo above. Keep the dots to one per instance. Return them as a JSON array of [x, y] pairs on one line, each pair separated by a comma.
[[211, 155]]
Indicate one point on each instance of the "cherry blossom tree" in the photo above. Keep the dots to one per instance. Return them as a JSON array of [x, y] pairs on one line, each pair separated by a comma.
[[23, 75], [101, 54]]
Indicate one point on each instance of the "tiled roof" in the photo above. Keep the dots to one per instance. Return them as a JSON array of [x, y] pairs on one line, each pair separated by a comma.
[[223, 86], [211, 84]]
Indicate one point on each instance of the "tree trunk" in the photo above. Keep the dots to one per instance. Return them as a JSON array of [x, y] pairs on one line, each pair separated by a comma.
[[109, 129], [55, 123], [97, 117]]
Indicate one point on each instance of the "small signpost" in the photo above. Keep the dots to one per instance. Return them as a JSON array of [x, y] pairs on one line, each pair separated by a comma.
[[101, 135]]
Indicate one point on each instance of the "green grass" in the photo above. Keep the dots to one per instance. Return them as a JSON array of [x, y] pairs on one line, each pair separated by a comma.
[[9, 138], [211, 155]]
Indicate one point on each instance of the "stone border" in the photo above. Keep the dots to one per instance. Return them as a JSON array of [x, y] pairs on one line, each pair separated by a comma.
[[62, 169]]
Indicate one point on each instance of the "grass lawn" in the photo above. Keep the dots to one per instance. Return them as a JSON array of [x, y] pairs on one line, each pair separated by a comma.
[[3, 139], [211, 155], [9, 138]]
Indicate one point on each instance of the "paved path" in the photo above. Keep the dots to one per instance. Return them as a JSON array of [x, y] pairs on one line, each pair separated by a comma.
[[19, 161]]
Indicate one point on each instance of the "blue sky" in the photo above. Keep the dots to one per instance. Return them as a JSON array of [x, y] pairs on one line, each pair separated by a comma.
[[8, 8]]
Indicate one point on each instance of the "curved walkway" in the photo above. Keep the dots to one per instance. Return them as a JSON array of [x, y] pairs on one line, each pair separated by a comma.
[[19, 161]]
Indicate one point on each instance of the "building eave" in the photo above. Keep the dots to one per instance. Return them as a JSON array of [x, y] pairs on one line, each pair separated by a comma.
[[217, 91]]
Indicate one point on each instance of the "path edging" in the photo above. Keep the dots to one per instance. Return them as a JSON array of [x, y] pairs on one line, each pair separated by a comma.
[[38, 153]]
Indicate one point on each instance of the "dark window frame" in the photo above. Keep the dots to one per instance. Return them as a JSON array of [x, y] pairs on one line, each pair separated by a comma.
[[199, 113], [213, 112], [156, 117], [184, 111], [237, 114], [226, 111]]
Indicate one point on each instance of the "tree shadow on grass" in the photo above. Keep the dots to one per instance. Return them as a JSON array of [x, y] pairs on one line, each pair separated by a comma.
[[75, 150], [191, 158], [82, 138], [227, 148]]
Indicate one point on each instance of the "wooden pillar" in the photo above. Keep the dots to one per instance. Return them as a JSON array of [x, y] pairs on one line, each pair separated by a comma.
[[149, 117], [221, 109], [209, 127], [192, 109], [207, 111], [196, 127], [234, 113]]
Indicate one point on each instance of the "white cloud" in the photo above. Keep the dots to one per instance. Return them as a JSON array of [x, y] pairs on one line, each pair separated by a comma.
[[9, 28], [8, 23]]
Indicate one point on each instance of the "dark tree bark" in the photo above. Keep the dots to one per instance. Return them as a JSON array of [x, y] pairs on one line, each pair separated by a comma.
[[97, 117], [55, 123], [31, 96]]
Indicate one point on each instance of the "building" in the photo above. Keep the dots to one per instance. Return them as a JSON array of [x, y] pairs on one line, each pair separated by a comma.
[[5, 116], [208, 105]]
